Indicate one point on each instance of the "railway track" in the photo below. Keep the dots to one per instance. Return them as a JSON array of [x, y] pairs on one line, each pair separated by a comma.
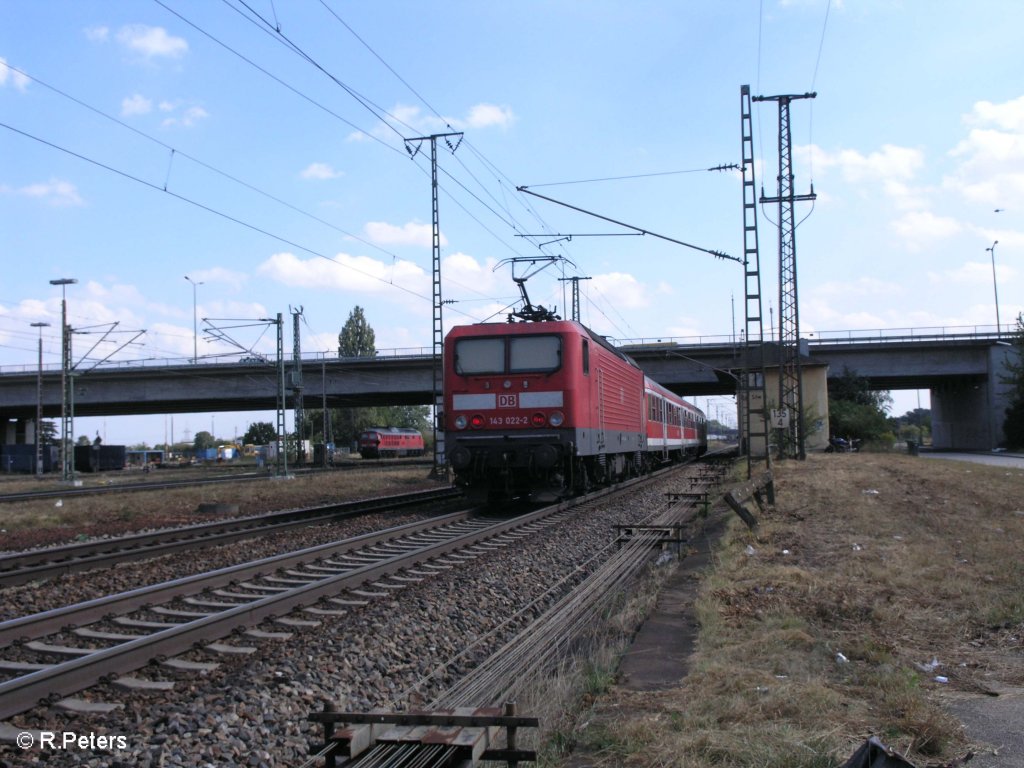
[[164, 620], [37, 564], [191, 482]]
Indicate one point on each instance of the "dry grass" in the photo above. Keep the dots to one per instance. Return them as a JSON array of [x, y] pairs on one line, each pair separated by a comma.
[[892, 562], [44, 522]]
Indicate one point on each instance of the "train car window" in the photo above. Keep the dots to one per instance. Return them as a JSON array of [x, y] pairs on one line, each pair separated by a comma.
[[586, 357], [534, 353], [478, 356]]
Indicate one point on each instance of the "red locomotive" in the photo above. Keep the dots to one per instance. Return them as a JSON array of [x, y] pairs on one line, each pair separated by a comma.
[[389, 442], [549, 409]]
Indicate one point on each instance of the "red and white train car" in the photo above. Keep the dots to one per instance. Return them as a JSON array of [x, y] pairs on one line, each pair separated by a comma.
[[548, 409], [389, 442]]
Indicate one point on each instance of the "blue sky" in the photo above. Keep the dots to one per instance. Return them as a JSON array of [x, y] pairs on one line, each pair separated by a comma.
[[276, 186]]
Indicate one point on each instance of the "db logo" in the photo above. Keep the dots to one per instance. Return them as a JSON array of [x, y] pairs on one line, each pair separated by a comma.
[[508, 401]]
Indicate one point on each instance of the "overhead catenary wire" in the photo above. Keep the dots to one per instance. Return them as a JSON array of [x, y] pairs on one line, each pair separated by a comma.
[[814, 81], [371, 107], [224, 174], [374, 110], [211, 210]]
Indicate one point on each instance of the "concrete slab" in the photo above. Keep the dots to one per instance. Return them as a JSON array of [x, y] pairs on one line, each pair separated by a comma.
[[659, 655], [996, 723]]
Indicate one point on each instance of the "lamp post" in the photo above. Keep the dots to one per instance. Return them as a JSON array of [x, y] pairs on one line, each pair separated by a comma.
[[67, 417], [39, 401], [195, 328], [995, 286]]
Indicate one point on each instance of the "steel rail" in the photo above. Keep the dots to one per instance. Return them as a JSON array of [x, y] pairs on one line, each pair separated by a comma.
[[242, 477], [22, 567], [81, 614], [23, 692]]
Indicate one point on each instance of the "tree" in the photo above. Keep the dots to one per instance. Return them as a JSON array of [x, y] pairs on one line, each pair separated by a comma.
[[1013, 427], [48, 433], [203, 440], [855, 411], [913, 425], [356, 338], [260, 433]]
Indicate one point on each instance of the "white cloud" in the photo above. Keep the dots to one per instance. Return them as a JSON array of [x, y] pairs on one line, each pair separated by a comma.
[[349, 273], [152, 41], [320, 171], [15, 78], [920, 229], [973, 273], [1009, 116], [136, 104], [382, 233], [864, 286], [189, 117], [478, 116], [622, 289], [891, 162], [991, 157], [98, 34], [484, 115], [235, 280], [55, 192], [462, 271]]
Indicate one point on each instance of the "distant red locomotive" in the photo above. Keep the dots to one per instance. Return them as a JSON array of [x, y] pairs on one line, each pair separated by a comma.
[[389, 442], [549, 409]]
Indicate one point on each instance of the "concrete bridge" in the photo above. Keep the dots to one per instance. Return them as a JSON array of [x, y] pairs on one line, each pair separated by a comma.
[[959, 366]]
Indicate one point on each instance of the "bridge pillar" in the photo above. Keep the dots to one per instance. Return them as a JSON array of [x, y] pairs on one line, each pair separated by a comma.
[[969, 415], [14, 431]]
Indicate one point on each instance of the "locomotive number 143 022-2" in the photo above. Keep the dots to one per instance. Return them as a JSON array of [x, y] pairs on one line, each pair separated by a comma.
[[508, 421]]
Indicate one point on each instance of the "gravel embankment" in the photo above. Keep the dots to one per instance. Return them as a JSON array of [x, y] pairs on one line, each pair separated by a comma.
[[252, 710]]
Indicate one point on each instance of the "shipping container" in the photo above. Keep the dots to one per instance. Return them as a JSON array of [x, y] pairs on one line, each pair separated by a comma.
[[22, 458], [99, 458]]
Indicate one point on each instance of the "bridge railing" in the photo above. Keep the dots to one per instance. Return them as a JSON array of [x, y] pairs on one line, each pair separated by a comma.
[[232, 358], [864, 336]]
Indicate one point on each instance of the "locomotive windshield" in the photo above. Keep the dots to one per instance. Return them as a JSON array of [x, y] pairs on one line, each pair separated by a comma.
[[502, 355], [534, 353], [475, 356]]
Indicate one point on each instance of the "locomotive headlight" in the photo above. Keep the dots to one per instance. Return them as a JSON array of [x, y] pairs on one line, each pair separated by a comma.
[[556, 418], [461, 421], [476, 421], [538, 419]]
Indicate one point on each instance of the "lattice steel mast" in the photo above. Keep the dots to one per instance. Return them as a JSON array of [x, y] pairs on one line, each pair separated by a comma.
[[438, 335], [791, 395], [296, 382], [281, 439], [753, 400], [575, 280]]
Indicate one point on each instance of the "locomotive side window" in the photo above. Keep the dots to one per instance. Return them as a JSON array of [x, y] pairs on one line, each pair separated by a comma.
[[586, 357], [477, 356], [534, 353]]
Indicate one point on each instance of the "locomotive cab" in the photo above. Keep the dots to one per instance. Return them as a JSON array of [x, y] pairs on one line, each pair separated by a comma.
[[507, 411]]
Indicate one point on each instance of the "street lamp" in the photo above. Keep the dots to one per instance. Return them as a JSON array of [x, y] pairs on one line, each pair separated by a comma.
[[195, 331], [995, 286], [39, 401], [67, 416]]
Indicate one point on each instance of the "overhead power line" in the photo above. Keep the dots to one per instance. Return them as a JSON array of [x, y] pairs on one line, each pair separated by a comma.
[[731, 166], [716, 254], [214, 211]]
